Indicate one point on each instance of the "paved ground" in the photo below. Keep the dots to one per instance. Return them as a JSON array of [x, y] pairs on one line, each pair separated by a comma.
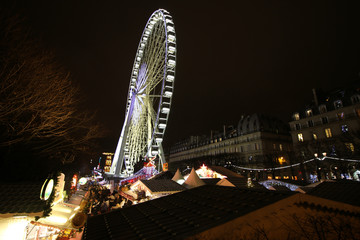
[[77, 197]]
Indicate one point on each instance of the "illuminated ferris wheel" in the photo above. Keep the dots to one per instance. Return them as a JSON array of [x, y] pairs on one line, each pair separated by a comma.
[[149, 96]]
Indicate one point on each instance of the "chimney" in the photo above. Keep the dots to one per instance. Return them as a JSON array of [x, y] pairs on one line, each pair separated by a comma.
[[224, 131], [315, 97]]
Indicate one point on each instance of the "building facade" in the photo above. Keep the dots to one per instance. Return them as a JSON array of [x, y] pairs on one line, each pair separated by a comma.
[[257, 141], [330, 125], [329, 131]]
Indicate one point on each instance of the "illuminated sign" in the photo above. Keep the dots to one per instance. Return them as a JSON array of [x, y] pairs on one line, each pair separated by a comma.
[[74, 181], [165, 167], [47, 189], [82, 181]]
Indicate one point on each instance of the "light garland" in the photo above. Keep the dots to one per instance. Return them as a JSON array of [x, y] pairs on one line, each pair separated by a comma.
[[296, 164], [271, 182]]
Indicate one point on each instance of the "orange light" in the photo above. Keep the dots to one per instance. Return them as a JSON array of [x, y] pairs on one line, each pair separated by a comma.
[[281, 160]]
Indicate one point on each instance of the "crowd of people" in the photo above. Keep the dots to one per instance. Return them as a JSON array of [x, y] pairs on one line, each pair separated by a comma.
[[101, 200]]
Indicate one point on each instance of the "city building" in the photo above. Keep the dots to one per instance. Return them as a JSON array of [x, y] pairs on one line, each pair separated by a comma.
[[257, 141], [329, 127]]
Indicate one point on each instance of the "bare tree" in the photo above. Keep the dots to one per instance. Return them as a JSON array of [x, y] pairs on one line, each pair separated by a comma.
[[308, 227], [39, 103], [325, 226]]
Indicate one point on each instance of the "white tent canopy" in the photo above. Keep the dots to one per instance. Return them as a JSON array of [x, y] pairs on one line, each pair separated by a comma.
[[178, 177], [193, 180]]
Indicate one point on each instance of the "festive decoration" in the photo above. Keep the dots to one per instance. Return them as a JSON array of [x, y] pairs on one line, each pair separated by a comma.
[[145, 173], [205, 172], [272, 182], [294, 165], [46, 189]]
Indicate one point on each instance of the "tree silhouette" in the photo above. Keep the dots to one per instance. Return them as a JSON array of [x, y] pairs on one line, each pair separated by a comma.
[[40, 115]]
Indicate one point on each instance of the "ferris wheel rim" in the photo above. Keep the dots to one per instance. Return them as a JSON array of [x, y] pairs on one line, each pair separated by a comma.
[[164, 13], [167, 81]]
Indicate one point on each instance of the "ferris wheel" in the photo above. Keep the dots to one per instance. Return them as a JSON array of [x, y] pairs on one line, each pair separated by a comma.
[[149, 96]]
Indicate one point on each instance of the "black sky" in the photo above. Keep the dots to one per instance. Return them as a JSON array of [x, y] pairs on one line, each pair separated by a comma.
[[233, 58]]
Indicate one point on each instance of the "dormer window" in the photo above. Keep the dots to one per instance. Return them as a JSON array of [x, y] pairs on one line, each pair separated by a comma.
[[296, 116], [309, 113], [310, 123], [322, 108], [341, 116], [355, 98], [338, 104]]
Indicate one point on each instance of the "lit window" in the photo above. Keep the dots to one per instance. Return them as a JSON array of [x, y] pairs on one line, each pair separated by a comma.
[[350, 146], [341, 116], [314, 136], [310, 123], [256, 146], [300, 137], [328, 132], [280, 147], [296, 116], [322, 108], [309, 113], [344, 128], [338, 104], [281, 160]]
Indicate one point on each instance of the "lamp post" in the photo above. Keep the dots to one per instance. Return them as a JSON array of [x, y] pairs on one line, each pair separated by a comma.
[[318, 167]]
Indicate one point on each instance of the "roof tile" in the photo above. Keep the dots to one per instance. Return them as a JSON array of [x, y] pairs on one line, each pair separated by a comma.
[[20, 198], [181, 214], [341, 191]]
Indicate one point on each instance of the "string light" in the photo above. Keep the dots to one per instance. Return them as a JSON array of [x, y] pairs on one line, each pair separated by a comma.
[[294, 165], [271, 182]]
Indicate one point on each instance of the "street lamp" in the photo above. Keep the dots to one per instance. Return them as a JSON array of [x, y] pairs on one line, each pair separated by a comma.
[[335, 171], [317, 156], [318, 168]]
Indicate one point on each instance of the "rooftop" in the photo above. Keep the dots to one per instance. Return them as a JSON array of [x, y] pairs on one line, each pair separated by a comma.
[[243, 182], [180, 215], [162, 185], [225, 171], [21, 198], [163, 175], [344, 191]]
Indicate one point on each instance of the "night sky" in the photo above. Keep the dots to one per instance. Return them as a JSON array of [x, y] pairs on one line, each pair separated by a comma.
[[232, 59]]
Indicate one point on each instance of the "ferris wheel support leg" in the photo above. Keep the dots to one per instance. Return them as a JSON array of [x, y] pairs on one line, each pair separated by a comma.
[[149, 130], [161, 157], [118, 160]]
